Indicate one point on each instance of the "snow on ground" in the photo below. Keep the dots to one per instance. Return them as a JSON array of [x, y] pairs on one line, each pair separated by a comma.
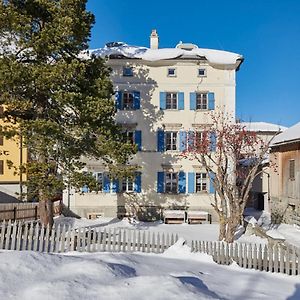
[[291, 233], [203, 232], [175, 274]]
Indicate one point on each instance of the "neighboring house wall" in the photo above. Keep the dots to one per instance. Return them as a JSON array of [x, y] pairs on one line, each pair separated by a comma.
[[11, 151], [150, 120], [285, 186]]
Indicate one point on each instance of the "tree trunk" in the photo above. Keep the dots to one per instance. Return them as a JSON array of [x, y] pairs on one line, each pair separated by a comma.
[[222, 230], [231, 228], [46, 211]]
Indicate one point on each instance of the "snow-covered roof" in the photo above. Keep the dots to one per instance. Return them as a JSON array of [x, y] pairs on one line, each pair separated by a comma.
[[122, 49], [263, 127], [290, 135]]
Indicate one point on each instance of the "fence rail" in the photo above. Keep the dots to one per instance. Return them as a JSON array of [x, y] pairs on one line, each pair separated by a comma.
[[23, 211], [271, 258], [36, 237]]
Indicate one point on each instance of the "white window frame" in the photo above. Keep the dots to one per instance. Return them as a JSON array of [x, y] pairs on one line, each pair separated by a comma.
[[202, 185], [171, 184], [128, 134], [128, 94], [128, 183], [173, 99], [202, 69], [173, 136], [127, 68], [172, 75], [201, 101]]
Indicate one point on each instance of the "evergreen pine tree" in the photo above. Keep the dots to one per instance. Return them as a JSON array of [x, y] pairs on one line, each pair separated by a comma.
[[60, 102]]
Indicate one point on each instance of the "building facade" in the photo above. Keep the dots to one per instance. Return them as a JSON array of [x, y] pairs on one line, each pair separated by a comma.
[[162, 95], [12, 155], [259, 198], [285, 176]]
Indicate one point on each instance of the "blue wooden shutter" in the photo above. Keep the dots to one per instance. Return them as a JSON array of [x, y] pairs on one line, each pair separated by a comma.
[[192, 101], [162, 100], [191, 140], [85, 189], [191, 182], [136, 100], [160, 141], [213, 142], [211, 185], [160, 182], [180, 96], [138, 139], [182, 182], [211, 101], [115, 185], [182, 140], [106, 183], [138, 182], [119, 100]]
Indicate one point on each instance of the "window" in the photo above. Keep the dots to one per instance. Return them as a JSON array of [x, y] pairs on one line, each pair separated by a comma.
[[129, 136], [128, 71], [201, 182], [171, 140], [201, 101], [1, 167], [201, 72], [128, 102], [127, 184], [171, 183], [172, 72], [171, 100], [292, 169]]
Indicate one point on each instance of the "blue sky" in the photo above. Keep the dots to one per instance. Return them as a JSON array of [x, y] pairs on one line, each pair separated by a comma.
[[266, 33]]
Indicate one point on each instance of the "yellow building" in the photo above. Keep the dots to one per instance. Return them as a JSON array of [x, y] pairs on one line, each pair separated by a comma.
[[11, 181]]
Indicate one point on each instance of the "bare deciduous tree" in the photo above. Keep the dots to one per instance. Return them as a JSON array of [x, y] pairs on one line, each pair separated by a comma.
[[232, 157]]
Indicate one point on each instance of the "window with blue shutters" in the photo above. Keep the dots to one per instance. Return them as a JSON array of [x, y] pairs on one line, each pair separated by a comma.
[[128, 100], [106, 183], [171, 182], [127, 184], [171, 142], [134, 137], [201, 182], [201, 101], [171, 100]]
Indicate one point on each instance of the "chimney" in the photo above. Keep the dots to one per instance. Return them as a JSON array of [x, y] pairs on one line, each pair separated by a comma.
[[153, 39]]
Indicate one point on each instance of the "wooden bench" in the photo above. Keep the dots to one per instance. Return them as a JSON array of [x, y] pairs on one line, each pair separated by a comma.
[[198, 217], [174, 216]]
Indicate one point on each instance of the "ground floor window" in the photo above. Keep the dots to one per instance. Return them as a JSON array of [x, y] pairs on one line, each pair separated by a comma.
[[127, 184]]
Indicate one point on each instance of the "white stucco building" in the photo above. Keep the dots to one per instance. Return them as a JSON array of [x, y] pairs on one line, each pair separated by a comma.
[[162, 95]]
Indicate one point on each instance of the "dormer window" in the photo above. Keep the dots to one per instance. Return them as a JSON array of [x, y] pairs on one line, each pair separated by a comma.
[[201, 72], [128, 71], [171, 72]]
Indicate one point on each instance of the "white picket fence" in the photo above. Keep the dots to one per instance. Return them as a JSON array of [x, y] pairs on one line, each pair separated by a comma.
[[35, 237], [271, 258]]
